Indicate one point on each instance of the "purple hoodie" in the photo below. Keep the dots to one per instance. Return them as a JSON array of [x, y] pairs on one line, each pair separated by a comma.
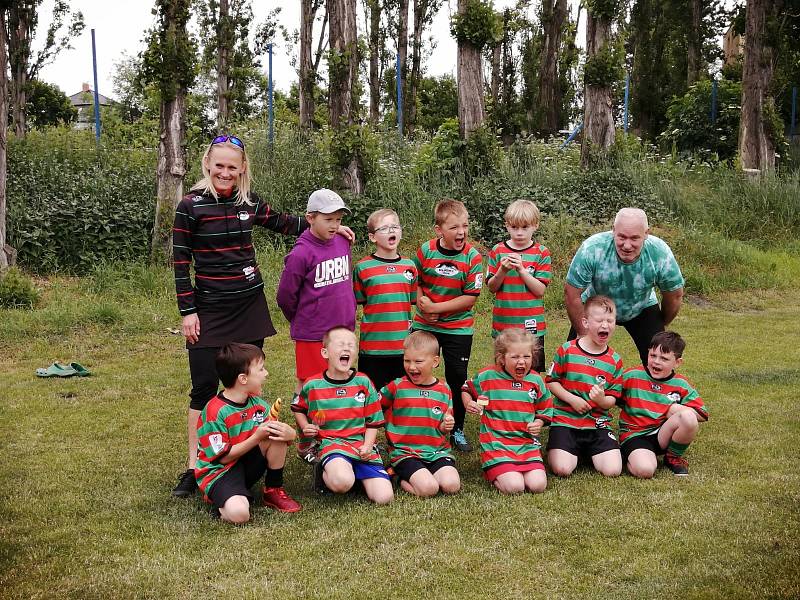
[[316, 288]]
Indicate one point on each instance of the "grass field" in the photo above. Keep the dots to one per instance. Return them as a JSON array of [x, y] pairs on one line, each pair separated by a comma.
[[88, 465]]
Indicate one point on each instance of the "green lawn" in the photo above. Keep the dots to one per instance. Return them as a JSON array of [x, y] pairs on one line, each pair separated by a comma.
[[88, 465]]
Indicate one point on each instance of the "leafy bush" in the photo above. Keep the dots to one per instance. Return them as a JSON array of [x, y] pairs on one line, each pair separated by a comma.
[[690, 129], [72, 205], [17, 290]]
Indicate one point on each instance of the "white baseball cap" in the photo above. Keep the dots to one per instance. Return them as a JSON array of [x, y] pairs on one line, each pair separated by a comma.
[[325, 201]]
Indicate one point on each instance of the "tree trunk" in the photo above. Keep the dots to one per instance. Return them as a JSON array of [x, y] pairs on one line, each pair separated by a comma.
[[756, 138], [421, 17], [554, 15], [343, 80], [471, 110], [598, 117], [694, 42], [402, 53], [374, 60], [3, 137], [19, 44], [497, 53], [224, 44], [308, 74]]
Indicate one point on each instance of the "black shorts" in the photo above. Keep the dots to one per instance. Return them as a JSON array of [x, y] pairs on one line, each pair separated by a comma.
[[381, 368], [408, 466], [586, 442], [648, 442], [239, 478]]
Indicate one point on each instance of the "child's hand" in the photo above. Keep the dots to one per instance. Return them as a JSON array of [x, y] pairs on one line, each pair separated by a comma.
[[473, 407], [514, 261], [278, 431], [597, 394], [346, 233], [448, 422], [311, 430], [425, 304], [535, 426], [579, 405], [364, 451]]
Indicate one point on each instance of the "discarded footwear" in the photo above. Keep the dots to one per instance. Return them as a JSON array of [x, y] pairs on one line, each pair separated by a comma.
[[187, 484], [80, 370], [277, 498], [56, 370], [677, 464]]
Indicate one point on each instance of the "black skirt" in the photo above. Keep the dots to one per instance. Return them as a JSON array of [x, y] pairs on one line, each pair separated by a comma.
[[240, 320]]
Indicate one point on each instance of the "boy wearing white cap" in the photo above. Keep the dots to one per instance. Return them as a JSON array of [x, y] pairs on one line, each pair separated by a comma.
[[315, 292]]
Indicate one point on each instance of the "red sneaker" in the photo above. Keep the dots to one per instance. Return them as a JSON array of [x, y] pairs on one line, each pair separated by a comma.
[[677, 464], [278, 499]]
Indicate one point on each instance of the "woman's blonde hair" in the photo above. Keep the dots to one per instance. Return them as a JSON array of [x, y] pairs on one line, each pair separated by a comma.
[[244, 179], [509, 337]]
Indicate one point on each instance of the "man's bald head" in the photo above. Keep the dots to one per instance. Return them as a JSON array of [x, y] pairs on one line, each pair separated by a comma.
[[630, 232]]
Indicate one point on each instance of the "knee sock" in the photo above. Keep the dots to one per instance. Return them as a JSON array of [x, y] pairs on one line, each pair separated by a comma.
[[273, 478], [676, 448]]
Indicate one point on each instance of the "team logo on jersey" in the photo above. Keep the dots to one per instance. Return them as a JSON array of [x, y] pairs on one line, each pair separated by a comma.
[[425, 393], [655, 387], [478, 281], [600, 379], [360, 397], [436, 410], [243, 215], [408, 274], [602, 422], [532, 393], [249, 273], [590, 361], [215, 439], [674, 397], [531, 270], [611, 435], [516, 385], [530, 325], [341, 392], [259, 416], [391, 269], [446, 269]]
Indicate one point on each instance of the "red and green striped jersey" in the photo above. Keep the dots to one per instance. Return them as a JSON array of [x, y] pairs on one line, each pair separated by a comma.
[[513, 404], [446, 274], [413, 416], [222, 425], [577, 371], [387, 288], [343, 409], [514, 304], [646, 400]]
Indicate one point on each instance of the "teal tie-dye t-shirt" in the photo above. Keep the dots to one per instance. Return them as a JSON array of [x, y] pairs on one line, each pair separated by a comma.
[[597, 269]]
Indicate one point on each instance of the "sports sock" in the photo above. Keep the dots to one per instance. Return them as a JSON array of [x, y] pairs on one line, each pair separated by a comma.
[[676, 448], [273, 478]]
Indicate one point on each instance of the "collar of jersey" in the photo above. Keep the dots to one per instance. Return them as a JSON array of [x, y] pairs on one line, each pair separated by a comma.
[[339, 381]]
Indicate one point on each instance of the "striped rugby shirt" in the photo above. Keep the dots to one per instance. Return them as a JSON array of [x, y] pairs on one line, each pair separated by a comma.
[[217, 236], [446, 274], [577, 371], [514, 304], [343, 409], [504, 436], [646, 400], [387, 288], [413, 415], [222, 425]]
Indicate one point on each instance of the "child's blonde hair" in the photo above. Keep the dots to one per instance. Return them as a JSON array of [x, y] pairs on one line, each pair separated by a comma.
[[243, 180], [600, 301], [445, 208], [423, 341], [509, 337], [376, 217], [521, 213]]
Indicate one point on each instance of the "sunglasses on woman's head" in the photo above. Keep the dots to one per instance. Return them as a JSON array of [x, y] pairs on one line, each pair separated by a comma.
[[221, 139]]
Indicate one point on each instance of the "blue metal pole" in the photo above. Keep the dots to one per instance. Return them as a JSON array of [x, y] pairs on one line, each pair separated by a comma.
[[627, 97], [269, 100], [714, 101], [96, 93], [572, 135], [399, 80], [794, 111]]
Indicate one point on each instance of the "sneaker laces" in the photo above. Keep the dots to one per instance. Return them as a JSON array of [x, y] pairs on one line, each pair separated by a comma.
[[459, 437]]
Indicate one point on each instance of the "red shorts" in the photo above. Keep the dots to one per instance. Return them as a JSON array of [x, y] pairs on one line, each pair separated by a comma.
[[308, 359], [493, 472]]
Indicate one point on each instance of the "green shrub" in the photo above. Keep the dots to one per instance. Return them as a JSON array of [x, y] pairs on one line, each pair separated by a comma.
[[17, 290]]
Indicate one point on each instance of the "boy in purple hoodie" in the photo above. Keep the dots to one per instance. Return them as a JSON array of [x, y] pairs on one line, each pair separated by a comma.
[[316, 289]]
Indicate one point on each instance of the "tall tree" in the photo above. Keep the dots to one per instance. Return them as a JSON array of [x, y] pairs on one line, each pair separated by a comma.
[[600, 73], [757, 134], [374, 9], [307, 73], [402, 55], [169, 62], [224, 47], [424, 12], [343, 81], [694, 42], [22, 20], [548, 99], [3, 135]]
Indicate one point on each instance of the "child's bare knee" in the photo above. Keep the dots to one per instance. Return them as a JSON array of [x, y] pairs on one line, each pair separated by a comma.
[[427, 488], [338, 481], [641, 471], [450, 485], [236, 511]]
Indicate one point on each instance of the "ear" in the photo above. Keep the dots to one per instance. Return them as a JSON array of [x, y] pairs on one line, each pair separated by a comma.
[[678, 362], [438, 230], [242, 378], [435, 361], [309, 218], [371, 237], [324, 352]]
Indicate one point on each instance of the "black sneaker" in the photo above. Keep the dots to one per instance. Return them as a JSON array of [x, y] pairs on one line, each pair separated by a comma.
[[319, 483], [459, 441], [187, 484], [677, 464]]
